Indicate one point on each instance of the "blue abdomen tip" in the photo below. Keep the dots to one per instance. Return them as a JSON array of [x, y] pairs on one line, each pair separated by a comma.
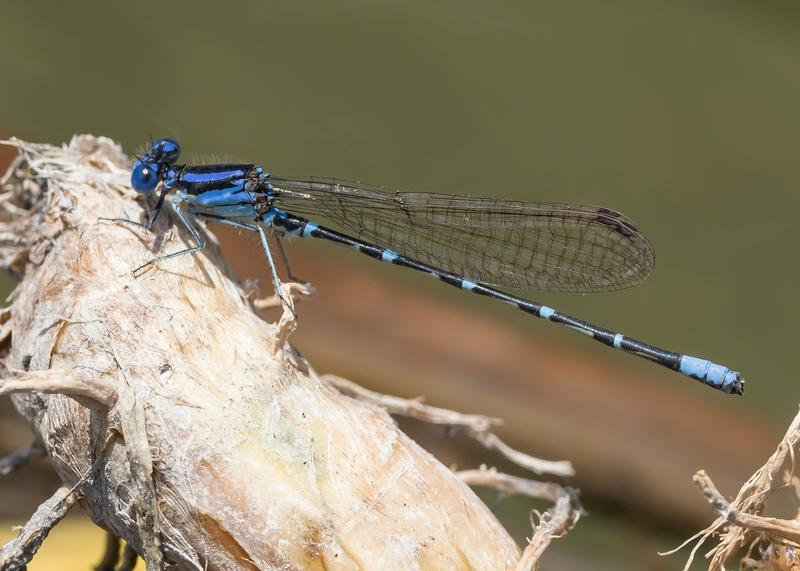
[[717, 376]]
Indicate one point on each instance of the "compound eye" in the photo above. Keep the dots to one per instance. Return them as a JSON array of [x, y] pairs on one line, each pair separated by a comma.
[[144, 177], [168, 149]]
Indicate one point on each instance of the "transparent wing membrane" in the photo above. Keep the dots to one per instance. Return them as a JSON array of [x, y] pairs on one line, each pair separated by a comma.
[[524, 245]]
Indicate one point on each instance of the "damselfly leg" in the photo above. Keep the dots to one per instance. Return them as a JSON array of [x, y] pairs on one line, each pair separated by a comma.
[[265, 245], [146, 225], [289, 273]]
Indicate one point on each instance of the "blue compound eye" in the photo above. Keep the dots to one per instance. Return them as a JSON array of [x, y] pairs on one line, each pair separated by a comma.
[[144, 177], [168, 150]]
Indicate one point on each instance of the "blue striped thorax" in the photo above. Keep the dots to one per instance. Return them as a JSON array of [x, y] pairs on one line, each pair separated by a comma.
[[228, 189]]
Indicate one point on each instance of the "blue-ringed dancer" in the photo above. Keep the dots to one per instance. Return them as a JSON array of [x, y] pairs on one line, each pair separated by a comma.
[[469, 243]]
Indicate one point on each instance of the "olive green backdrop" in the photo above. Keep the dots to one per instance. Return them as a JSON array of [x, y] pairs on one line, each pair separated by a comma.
[[683, 115]]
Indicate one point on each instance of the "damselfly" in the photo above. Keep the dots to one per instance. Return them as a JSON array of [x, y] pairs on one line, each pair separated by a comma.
[[470, 243]]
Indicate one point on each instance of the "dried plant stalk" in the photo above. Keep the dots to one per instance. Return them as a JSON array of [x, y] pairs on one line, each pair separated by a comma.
[[162, 407], [741, 524]]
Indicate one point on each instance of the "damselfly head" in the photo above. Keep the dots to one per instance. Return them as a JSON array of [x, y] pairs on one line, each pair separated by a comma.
[[165, 151], [144, 177], [150, 167]]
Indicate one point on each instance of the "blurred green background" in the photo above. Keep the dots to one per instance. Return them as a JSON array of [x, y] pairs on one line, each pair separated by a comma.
[[683, 115]]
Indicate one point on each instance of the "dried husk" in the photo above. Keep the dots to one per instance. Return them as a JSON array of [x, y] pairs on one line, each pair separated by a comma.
[[159, 400]]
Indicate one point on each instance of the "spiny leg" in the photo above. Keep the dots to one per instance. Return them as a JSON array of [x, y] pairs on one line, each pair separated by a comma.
[[265, 245], [150, 219], [291, 275], [201, 243]]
